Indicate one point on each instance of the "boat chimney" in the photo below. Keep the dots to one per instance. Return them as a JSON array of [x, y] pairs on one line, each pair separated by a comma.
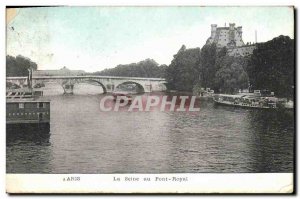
[[30, 78]]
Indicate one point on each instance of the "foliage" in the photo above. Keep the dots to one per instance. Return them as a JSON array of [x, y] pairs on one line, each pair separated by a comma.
[[231, 75], [221, 72], [18, 66], [207, 67], [272, 66], [145, 68], [183, 71], [197, 89], [192, 70]]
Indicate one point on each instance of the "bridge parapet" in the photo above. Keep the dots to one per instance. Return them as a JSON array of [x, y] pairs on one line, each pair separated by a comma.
[[98, 77], [108, 83]]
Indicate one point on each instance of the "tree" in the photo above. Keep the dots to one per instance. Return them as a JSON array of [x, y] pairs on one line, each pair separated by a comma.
[[272, 66], [207, 66], [182, 73], [231, 75], [18, 66]]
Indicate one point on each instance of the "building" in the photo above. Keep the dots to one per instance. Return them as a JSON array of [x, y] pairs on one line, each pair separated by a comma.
[[61, 72], [232, 38], [241, 50]]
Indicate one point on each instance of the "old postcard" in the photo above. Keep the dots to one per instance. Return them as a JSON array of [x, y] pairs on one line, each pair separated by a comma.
[[170, 99]]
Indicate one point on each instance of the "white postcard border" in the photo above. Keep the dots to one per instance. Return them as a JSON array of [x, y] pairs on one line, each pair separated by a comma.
[[7, 179], [159, 183]]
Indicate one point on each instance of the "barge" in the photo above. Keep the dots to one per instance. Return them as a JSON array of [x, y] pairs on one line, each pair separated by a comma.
[[256, 100], [245, 101], [27, 111], [26, 114]]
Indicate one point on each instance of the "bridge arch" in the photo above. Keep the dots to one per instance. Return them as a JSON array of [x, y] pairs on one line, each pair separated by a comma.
[[139, 88], [163, 86], [93, 80], [49, 87]]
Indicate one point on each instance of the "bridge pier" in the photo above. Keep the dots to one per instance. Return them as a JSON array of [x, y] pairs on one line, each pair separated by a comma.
[[108, 83], [108, 88]]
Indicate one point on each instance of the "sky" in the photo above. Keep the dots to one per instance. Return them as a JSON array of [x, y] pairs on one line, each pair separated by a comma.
[[95, 38]]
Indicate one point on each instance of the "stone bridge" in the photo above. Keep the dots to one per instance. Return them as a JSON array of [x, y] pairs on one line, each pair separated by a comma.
[[108, 83]]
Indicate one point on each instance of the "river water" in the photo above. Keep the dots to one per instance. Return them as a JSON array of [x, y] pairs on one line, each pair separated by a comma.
[[84, 139]]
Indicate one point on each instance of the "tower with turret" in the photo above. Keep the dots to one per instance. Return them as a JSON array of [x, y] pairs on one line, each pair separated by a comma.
[[226, 36], [230, 37], [213, 30]]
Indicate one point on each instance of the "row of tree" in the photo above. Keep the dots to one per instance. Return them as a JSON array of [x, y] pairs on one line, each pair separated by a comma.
[[145, 68], [18, 66], [271, 66], [206, 68]]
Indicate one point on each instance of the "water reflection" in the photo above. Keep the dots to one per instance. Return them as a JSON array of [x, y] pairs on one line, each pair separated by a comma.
[[28, 133], [87, 89], [28, 148], [85, 139], [272, 140]]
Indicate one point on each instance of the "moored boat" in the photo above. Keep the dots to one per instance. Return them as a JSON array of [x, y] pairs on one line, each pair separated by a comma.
[[122, 96], [247, 101], [24, 107]]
